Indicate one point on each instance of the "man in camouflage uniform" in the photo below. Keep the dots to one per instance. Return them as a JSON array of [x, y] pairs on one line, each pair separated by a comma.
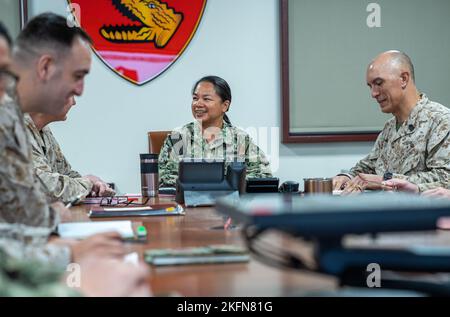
[[18, 187], [18, 191], [29, 265], [21, 198], [28, 278], [229, 144], [30, 274], [414, 145], [59, 180]]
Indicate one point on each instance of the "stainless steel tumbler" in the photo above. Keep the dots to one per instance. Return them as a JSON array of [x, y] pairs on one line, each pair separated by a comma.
[[149, 175]]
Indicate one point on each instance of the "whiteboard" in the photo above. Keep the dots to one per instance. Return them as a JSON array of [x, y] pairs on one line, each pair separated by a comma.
[[330, 44]]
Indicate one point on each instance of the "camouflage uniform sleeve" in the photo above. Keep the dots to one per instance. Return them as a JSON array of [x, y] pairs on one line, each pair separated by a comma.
[[31, 243], [19, 188], [426, 186], [437, 159], [25, 278], [62, 163], [256, 161], [62, 184], [168, 164], [367, 164]]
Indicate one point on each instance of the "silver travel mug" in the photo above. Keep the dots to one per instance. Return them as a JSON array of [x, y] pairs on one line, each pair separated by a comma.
[[149, 175]]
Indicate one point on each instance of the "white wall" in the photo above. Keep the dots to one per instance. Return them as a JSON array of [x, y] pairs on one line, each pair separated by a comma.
[[237, 40]]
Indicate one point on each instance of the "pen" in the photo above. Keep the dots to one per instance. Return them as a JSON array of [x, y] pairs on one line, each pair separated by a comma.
[[74, 201]]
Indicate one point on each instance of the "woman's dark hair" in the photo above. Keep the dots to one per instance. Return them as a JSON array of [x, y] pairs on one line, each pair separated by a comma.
[[5, 34], [221, 87]]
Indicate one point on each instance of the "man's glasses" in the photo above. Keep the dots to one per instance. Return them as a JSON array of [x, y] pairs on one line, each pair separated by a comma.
[[121, 201]]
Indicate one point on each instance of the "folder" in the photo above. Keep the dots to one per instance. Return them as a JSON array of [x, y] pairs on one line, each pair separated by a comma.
[[212, 254], [177, 210]]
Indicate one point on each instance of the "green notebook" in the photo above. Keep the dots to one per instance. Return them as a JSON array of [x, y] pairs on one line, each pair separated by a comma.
[[212, 254]]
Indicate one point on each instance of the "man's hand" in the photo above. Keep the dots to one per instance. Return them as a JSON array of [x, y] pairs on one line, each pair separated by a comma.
[[99, 188], [361, 182], [107, 244], [437, 193], [64, 213], [112, 277], [402, 185], [340, 181]]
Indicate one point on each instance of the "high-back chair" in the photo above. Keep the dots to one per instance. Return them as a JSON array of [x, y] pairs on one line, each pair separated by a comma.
[[156, 140]]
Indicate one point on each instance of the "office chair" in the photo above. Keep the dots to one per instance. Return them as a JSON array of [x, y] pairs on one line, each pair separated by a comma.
[[156, 140]]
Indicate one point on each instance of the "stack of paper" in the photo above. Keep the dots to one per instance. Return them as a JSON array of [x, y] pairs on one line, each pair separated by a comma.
[[81, 230]]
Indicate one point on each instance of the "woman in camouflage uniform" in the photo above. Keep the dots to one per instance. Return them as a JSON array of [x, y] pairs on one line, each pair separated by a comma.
[[211, 135]]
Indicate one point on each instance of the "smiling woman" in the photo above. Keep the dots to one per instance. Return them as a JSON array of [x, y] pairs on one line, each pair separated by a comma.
[[211, 135]]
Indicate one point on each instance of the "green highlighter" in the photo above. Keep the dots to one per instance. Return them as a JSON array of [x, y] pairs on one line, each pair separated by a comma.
[[141, 232], [140, 236]]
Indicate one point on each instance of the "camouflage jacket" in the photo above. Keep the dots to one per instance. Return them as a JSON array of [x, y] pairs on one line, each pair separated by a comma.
[[23, 242], [418, 152], [229, 144], [21, 197], [59, 180], [24, 278], [22, 201]]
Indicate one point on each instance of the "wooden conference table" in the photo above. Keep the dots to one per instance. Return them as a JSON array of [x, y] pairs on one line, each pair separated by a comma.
[[200, 227]]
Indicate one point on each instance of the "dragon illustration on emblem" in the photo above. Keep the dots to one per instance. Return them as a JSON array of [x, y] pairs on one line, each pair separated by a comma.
[[158, 23]]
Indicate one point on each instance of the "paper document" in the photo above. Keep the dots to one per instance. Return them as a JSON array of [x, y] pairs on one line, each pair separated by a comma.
[[81, 230], [92, 200], [128, 208]]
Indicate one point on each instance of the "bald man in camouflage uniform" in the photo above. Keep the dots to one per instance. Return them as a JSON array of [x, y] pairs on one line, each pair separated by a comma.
[[414, 145], [229, 144]]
